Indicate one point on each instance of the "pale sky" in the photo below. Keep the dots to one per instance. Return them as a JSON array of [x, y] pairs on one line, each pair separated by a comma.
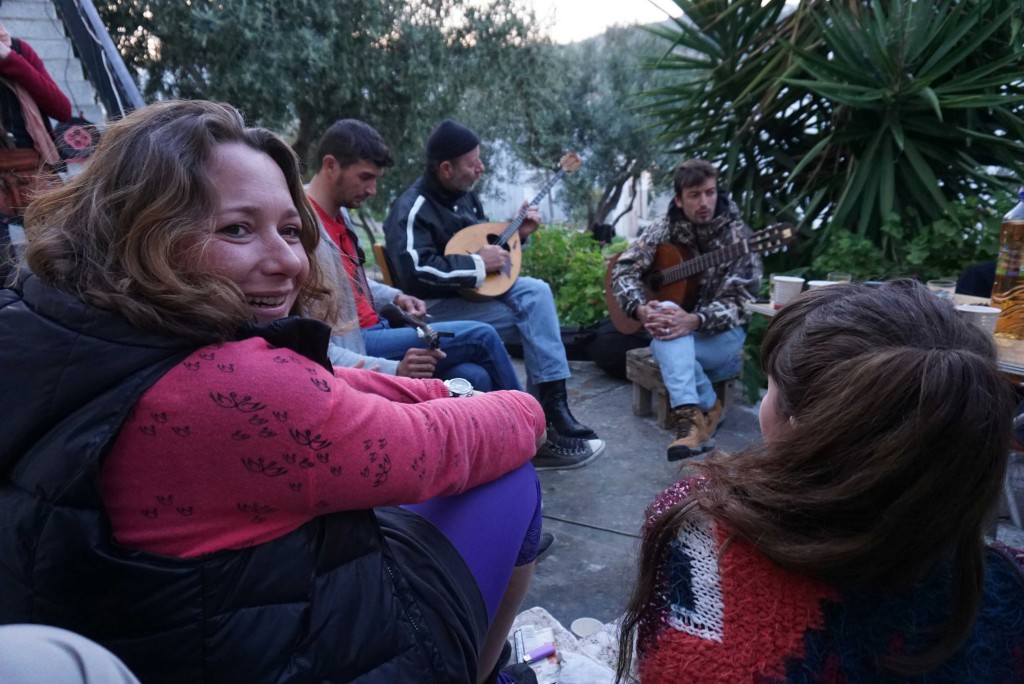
[[572, 20]]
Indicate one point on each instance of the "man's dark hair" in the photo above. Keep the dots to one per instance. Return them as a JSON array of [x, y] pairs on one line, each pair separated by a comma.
[[350, 141], [693, 172]]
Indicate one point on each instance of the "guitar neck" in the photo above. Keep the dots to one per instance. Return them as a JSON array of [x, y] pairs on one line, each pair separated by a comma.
[[514, 224], [699, 264]]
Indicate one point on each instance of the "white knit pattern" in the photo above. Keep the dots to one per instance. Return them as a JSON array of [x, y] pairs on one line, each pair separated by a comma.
[[705, 620]]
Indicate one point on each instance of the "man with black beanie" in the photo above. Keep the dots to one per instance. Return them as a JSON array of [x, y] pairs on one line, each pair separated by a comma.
[[418, 227]]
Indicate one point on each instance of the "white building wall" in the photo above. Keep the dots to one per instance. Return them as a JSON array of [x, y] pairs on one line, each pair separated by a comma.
[[508, 187]]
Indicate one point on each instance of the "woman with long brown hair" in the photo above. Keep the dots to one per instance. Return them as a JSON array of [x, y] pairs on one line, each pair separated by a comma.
[[848, 547], [186, 480]]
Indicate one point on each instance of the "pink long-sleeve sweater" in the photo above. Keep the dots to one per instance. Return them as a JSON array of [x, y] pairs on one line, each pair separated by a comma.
[[244, 442]]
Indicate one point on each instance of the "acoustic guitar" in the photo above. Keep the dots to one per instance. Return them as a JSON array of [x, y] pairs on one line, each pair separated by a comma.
[[674, 275], [472, 239]]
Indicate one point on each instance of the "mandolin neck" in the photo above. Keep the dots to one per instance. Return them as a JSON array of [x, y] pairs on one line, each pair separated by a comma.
[[514, 224]]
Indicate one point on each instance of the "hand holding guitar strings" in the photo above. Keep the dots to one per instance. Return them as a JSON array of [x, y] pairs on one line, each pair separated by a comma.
[[487, 239], [411, 305], [531, 220], [397, 318], [496, 259]]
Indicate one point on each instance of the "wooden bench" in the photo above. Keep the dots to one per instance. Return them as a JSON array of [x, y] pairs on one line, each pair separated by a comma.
[[649, 389]]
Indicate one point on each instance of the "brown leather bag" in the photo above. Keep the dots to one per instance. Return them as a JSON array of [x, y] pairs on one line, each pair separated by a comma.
[[23, 175]]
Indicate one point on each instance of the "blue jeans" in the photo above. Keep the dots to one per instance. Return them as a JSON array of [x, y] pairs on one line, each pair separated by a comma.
[[525, 314], [475, 353], [686, 362]]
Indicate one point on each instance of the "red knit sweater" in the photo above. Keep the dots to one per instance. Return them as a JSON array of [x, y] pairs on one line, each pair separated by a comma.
[[242, 443], [725, 614]]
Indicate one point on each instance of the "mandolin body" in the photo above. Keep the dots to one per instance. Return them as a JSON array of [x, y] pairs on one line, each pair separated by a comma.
[[471, 240]]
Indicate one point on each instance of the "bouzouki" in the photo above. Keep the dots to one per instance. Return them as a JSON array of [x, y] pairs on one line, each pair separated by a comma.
[[674, 274], [472, 239]]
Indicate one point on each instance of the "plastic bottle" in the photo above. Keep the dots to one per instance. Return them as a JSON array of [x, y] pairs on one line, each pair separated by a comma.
[[1008, 289]]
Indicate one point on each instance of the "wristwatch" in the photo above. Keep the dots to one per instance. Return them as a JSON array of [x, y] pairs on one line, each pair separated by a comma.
[[459, 387]]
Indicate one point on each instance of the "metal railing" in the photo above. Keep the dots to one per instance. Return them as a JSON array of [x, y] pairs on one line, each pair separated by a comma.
[[103, 65]]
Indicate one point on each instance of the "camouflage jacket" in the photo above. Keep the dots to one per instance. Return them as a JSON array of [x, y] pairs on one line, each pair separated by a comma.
[[723, 289]]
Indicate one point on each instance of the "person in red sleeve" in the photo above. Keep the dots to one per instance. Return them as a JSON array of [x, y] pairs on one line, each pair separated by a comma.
[[28, 100], [184, 477]]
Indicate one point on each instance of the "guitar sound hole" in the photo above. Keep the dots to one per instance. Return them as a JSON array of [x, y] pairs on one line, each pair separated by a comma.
[[493, 239]]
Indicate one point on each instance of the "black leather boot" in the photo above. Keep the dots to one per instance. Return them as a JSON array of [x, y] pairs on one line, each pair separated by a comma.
[[555, 402]]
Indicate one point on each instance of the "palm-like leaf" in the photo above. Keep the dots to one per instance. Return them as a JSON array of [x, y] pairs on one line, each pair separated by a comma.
[[850, 112]]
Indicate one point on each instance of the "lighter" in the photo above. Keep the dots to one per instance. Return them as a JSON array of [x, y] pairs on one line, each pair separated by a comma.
[[539, 653]]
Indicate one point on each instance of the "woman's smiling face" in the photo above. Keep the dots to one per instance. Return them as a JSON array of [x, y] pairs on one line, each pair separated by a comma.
[[256, 230]]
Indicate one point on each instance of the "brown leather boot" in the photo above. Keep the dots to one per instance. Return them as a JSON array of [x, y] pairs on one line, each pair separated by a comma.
[[692, 436], [714, 417]]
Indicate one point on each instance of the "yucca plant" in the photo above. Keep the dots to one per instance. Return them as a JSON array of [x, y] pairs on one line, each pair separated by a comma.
[[728, 102], [850, 114]]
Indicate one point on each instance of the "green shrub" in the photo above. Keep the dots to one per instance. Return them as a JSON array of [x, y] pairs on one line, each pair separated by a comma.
[[969, 233], [572, 263]]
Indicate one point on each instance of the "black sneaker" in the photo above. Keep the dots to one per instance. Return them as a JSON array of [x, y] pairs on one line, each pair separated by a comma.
[[566, 453]]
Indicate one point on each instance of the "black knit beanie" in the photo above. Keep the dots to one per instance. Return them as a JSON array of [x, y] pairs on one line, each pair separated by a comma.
[[450, 140]]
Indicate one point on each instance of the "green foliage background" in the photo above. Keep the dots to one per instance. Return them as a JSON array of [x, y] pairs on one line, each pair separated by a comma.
[[877, 118], [890, 131], [588, 99], [295, 66], [573, 264]]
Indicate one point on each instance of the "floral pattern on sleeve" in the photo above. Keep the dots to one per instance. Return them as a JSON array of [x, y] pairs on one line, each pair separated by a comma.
[[243, 443]]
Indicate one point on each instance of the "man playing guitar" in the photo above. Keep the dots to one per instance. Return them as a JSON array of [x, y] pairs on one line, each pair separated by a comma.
[[421, 223], [690, 344]]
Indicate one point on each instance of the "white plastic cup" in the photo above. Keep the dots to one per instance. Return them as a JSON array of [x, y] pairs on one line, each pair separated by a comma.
[[943, 289], [585, 626], [784, 289], [982, 316]]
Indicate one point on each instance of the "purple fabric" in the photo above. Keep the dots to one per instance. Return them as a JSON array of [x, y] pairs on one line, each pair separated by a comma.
[[495, 527]]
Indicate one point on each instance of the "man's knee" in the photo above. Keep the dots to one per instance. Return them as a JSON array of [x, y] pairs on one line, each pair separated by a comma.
[[533, 287], [717, 354], [478, 331], [676, 358]]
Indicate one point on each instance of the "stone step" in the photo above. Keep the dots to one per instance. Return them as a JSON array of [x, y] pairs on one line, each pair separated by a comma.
[[80, 93], [50, 49], [93, 113], [16, 12]]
